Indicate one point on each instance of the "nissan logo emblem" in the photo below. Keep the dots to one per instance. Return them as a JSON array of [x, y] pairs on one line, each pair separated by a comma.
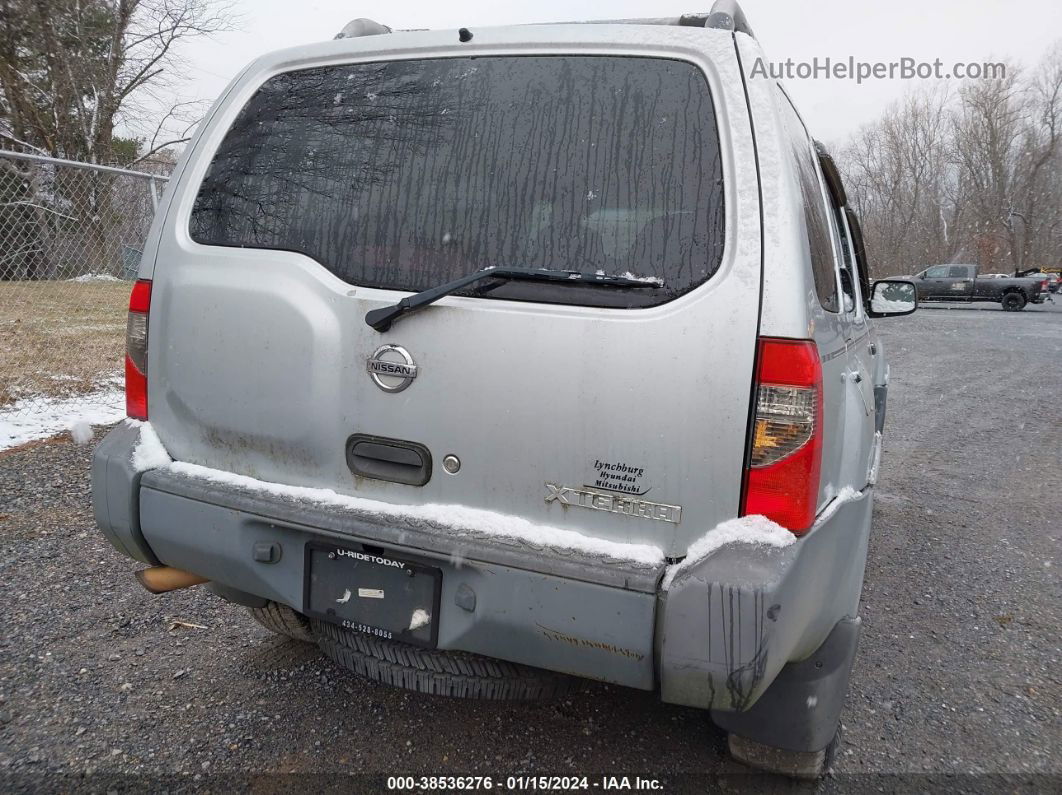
[[391, 368]]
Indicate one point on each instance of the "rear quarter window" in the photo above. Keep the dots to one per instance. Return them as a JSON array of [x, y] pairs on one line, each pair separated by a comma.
[[408, 174], [816, 222]]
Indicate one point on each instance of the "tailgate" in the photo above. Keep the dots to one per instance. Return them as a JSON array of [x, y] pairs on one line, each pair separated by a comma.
[[619, 413]]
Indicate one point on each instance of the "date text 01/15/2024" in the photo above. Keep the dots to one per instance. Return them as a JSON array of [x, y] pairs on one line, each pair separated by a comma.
[[523, 783]]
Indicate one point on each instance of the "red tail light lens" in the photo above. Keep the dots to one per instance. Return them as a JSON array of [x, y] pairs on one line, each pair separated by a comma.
[[782, 481], [136, 350]]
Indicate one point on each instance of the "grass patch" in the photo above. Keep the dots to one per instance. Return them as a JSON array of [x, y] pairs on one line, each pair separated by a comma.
[[60, 338]]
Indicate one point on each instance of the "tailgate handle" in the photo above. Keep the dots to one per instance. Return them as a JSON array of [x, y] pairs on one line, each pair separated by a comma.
[[395, 460]]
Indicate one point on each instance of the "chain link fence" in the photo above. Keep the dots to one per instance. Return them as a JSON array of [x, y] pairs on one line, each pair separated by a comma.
[[71, 235]]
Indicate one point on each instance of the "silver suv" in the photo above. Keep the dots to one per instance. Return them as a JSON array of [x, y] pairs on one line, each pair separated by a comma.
[[491, 358]]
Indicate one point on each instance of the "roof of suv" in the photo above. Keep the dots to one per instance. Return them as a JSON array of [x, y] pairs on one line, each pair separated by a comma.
[[725, 15]]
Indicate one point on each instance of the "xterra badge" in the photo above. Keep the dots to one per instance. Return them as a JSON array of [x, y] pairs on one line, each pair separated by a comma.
[[391, 368], [614, 503]]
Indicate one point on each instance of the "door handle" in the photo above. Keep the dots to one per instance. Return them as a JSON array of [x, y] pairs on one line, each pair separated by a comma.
[[389, 459]]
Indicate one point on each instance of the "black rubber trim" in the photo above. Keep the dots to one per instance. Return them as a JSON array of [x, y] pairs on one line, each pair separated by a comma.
[[827, 357], [881, 394]]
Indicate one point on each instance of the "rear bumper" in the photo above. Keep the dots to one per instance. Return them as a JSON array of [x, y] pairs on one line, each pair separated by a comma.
[[716, 639]]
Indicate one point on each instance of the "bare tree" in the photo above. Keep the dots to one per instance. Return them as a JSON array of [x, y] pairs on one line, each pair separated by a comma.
[[68, 68], [987, 128], [1007, 144], [71, 70], [1034, 214], [973, 175], [898, 174]]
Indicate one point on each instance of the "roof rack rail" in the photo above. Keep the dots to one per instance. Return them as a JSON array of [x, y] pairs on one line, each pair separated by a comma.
[[698, 20], [727, 15], [362, 27]]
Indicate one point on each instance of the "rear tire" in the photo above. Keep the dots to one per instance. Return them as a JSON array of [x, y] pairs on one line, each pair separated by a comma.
[[1013, 302], [282, 620], [445, 673]]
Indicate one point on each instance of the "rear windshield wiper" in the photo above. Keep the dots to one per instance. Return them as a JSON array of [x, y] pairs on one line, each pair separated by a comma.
[[381, 319]]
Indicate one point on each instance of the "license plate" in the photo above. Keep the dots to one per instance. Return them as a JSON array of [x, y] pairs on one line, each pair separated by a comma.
[[373, 593]]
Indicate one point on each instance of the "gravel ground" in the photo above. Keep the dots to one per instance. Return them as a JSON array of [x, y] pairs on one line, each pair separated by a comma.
[[958, 673]]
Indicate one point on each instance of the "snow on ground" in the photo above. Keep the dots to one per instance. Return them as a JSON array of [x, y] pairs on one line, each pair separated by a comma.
[[40, 417], [94, 277], [81, 432]]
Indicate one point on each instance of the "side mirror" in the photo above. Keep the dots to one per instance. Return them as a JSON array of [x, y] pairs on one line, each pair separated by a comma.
[[892, 298]]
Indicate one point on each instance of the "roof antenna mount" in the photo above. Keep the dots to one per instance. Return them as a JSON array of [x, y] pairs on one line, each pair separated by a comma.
[[359, 27], [727, 15]]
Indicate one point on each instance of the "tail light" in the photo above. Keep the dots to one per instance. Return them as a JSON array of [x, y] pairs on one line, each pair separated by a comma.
[[782, 481], [136, 351]]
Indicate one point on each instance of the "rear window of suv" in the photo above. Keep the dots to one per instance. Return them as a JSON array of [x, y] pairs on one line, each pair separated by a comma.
[[408, 174]]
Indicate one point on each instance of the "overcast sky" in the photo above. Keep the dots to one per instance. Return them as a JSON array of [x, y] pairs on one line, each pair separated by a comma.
[[952, 30]]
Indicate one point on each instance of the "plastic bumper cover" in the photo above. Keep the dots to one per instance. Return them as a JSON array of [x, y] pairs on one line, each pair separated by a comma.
[[729, 625], [717, 639]]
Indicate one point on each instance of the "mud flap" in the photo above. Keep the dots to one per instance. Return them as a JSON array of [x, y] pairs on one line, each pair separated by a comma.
[[801, 708]]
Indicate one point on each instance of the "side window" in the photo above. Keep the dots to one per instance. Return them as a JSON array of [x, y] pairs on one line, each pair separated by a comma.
[[937, 272], [815, 218], [958, 272], [840, 246], [843, 246], [849, 278], [859, 251]]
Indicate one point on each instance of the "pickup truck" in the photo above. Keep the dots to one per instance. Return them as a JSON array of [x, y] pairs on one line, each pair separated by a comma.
[[962, 283], [1052, 277]]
